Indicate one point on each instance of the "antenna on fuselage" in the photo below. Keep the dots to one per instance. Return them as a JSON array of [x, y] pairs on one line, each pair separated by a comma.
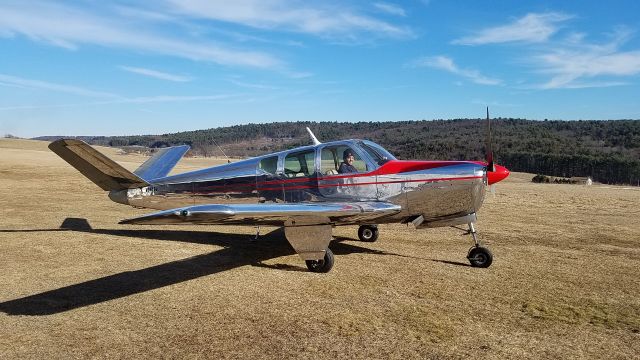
[[313, 137], [223, 153]]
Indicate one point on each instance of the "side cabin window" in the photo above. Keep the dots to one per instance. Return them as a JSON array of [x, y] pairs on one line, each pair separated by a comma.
[[269, 164], [336, 160], [300, 164]]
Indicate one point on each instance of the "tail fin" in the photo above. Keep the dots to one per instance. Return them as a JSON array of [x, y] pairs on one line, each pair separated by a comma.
[[160, 164], [103, 171]]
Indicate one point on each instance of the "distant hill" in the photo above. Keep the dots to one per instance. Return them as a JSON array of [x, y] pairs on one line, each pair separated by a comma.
[[606, 150]]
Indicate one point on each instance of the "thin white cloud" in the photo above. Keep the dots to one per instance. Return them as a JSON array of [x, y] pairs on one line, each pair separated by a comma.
[[532, 28], [568, 62], [132, 100], [70, 27], [107, 98], [447, 64], [299, 74], [290, 15], [252, 85], [156, 74], [165, 99], [578, 64], [492, 103], [44, 85], [146, 15], [391, 9]]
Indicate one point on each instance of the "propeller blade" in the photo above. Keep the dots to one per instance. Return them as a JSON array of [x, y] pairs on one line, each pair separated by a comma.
[[489, 151]]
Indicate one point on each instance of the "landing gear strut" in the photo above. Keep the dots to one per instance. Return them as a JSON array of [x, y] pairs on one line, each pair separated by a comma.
[[368, 233], [311, 242], [478, 255]]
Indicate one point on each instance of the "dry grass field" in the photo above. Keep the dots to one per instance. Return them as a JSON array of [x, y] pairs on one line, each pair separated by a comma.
[[74, 284]]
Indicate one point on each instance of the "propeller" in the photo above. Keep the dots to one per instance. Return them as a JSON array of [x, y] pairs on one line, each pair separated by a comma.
[[488, 149], [495, 173]]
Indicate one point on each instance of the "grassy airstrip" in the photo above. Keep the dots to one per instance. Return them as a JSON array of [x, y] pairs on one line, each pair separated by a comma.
[[74, 284]]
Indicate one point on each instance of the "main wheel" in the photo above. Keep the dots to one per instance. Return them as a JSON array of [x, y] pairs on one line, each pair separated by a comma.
[[321, 266], [480, 257], [368, 233]]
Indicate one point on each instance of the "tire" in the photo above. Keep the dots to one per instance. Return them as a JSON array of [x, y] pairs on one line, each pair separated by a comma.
[[368, 233], [321, 266], [480, 257]]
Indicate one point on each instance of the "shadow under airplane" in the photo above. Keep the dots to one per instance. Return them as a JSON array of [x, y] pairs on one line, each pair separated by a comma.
[[238, 250]]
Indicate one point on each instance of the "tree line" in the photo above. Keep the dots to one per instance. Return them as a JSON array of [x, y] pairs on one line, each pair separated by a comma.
[[606, 150]]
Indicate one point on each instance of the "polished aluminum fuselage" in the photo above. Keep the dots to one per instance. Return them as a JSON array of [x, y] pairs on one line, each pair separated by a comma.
[[434, 190]]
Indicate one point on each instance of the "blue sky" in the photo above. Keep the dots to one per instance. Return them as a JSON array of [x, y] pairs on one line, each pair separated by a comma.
[[141, 67]]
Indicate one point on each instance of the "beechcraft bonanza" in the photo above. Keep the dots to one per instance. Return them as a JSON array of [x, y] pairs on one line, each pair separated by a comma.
[[301, 190]]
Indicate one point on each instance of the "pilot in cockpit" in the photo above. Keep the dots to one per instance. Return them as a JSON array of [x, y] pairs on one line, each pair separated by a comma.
[[347, 163]]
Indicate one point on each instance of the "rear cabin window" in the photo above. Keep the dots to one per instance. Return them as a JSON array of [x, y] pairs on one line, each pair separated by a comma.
[[300, 164], [269, 164], [332, 157]]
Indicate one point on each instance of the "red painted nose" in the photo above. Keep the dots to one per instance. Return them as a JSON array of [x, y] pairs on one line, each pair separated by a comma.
[[500, 174]]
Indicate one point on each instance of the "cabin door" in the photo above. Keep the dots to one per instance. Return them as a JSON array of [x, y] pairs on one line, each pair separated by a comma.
[[354, 184], [268, 182], [299, 177]]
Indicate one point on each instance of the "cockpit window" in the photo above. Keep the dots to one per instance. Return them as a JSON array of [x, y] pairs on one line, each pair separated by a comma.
[[333, 158], [377, 152]]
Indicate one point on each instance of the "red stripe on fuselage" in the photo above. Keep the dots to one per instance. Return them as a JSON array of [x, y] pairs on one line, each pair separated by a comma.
[[369, 183], [403, 166]]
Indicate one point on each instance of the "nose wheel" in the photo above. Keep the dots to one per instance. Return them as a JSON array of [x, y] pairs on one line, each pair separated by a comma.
[[479, 256]]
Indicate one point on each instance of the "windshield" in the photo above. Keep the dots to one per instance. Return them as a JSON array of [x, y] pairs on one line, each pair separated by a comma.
[[377, 152]]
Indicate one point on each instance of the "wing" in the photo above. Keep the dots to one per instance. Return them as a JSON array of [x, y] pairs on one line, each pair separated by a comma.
[[271, 214]]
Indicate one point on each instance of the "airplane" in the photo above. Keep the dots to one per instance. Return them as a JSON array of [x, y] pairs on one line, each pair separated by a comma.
[[302, 190]]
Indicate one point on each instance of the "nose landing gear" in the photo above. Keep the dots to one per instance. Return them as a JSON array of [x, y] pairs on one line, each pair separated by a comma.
[[478, 255]]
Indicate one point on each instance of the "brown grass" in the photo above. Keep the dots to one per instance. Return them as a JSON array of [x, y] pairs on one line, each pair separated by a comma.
[[564, 283]]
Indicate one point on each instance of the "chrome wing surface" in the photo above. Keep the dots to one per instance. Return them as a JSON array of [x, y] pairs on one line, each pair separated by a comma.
[[270, 214]]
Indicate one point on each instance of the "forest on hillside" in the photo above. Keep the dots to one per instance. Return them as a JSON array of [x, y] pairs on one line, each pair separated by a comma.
[[606, 150]]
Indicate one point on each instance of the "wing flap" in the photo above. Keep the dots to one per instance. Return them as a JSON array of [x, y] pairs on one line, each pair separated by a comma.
[[268, 214]]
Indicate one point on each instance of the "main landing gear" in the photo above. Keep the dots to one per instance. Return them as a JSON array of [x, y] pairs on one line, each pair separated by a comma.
[[368, 233], [478, 255], [311, 242], [323, 265]]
